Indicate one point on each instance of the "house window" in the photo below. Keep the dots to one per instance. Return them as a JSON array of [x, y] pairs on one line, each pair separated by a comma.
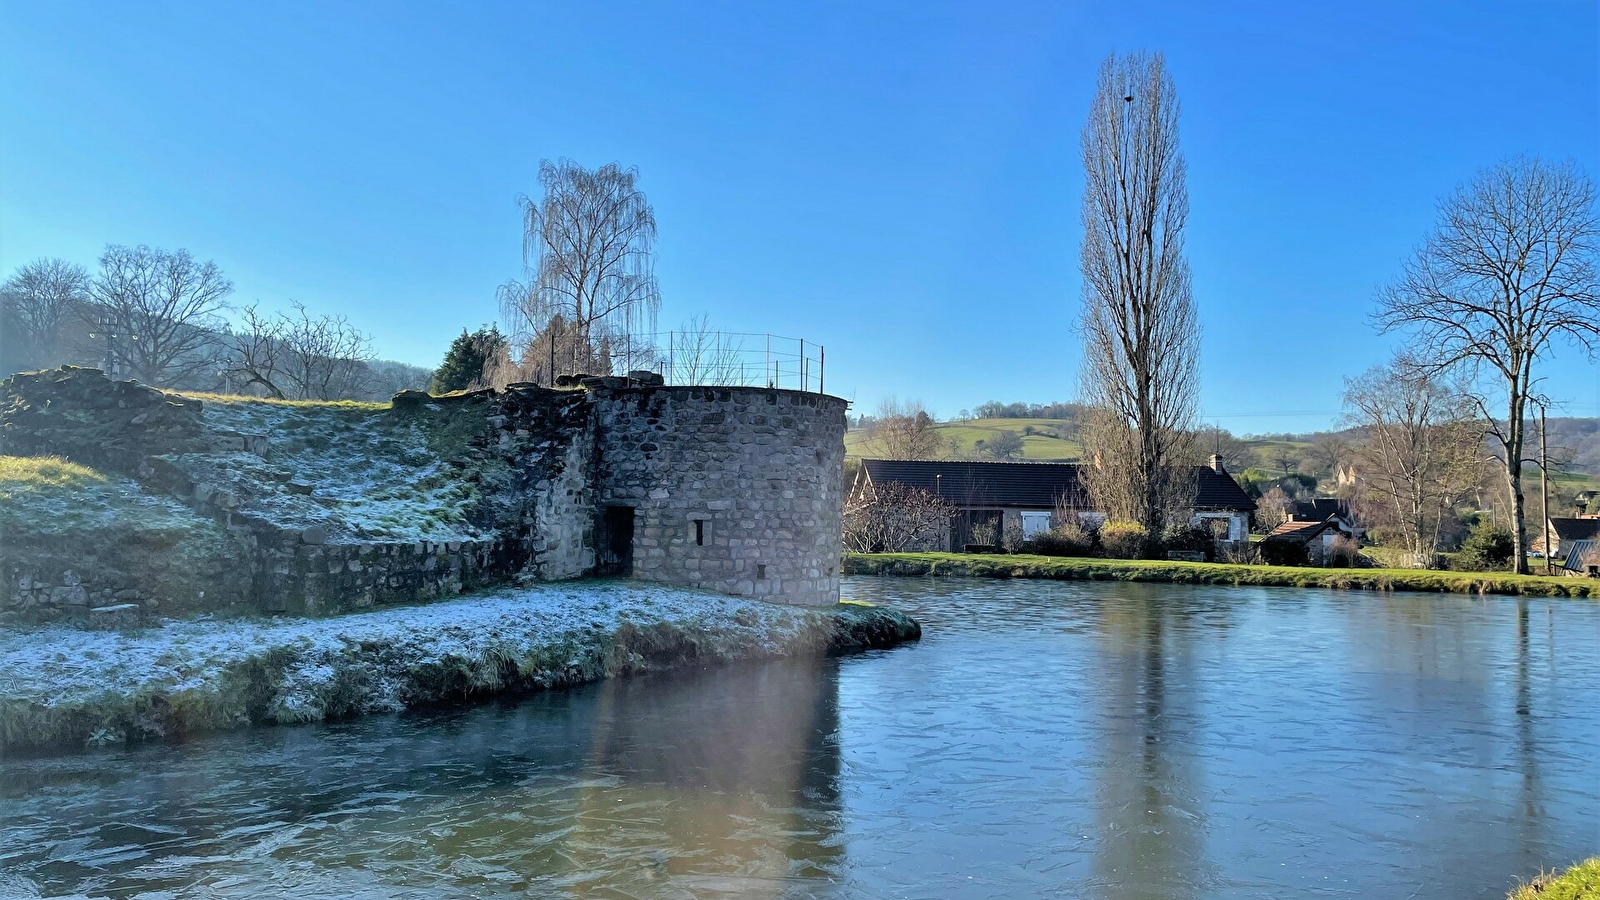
[[761, 570], [700, 532], [1035, 523]]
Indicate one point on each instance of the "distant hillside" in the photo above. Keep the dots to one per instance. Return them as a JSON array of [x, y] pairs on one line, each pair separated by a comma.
[[1042, 439], [1258, 459], [372, 380]]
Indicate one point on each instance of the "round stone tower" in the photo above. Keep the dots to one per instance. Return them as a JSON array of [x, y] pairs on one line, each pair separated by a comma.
[[737, 490]]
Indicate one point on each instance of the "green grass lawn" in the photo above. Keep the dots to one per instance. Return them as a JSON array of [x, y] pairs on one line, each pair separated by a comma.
[[1046, 445], [1581, 882], [1075, 569]]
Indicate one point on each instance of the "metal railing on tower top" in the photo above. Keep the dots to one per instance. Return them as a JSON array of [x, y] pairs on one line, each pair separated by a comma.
[[723, 359]]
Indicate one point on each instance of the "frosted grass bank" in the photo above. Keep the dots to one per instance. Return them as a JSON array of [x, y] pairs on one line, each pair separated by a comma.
[[64, 688]]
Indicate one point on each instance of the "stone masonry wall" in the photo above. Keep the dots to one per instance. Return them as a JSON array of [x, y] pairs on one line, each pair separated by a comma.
[[760, 470], [733, 490]]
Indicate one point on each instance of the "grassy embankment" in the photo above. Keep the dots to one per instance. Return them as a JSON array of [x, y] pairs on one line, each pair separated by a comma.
[[1074, 569], [58, 517], [1581, 882]]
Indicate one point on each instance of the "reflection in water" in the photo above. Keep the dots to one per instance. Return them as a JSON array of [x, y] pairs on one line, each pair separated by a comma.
[[1150, 811], [717, 783], [1083, 740]]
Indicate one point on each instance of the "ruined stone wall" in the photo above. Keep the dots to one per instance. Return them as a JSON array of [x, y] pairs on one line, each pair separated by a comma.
[[733, 490], [761, 472]]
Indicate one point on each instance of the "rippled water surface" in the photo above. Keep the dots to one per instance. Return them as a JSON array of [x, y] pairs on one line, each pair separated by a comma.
[[1080, 740]]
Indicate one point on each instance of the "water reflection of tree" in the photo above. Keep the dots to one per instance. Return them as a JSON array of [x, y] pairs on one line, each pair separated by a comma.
[[1150, 815], [1448, 686], [729, 787]]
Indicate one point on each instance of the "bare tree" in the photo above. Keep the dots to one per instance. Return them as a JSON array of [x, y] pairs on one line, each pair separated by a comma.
[[258, 349], [1272, 509], [587, 250], [1215, 440], [904, 431], [893, 517], [326, 356], [300, 356], [163, 311], [1141, 333], [1509, 268], [1325, 454], [38, 300], [1007, 444], [699, 354], [1420, 452]]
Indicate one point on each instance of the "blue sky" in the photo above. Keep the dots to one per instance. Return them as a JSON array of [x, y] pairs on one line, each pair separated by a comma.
[[900, 182]]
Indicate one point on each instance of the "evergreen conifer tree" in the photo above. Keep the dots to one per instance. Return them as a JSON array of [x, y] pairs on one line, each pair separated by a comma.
[[463, 362]]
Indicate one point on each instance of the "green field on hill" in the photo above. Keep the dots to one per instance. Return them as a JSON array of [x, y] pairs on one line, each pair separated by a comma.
[[1047, 443]]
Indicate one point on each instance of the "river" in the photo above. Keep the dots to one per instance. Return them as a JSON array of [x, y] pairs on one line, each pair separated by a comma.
[[1044, 739]]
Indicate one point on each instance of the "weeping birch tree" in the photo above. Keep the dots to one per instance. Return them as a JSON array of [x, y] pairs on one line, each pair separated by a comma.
[[590, 287], [1140, 330]]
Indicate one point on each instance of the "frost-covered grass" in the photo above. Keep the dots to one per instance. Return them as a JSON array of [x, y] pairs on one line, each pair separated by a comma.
[[62, 687], [45, 496], [372, 474]]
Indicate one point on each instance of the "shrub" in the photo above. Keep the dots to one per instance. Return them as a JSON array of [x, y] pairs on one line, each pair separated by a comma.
[[1124, 540], [1488, 548], [1345, 553], [1011, 539], [1069, 538], [1193, 538], [984, 534]]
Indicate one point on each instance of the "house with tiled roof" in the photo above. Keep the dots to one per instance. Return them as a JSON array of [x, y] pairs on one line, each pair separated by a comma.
[[1564, 531], [1030, 497], [1317, 537], [1321, 509]]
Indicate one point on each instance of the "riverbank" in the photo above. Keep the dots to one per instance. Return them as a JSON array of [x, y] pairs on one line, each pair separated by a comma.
[[978, 565], [1581, 882], [65, 688]]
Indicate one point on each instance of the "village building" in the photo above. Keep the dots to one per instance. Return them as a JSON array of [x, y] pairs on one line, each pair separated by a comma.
[[1322, 509], [1028, 498], [1317, 537], [1583, 558], [1562, 533]]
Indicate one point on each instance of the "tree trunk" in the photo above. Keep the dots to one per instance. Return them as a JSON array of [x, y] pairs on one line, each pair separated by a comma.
[[1513, 445]]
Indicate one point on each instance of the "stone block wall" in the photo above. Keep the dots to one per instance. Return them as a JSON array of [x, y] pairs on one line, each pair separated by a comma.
[[85, 416], [310, 579], [735, 490], [120, 575]]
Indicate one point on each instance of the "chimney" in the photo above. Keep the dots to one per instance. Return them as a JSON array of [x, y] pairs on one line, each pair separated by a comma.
[[1216, 464]]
